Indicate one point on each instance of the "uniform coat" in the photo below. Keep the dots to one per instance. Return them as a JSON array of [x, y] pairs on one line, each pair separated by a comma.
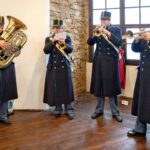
[[8, 86], [141, 97], [105, 73], [58, 83]]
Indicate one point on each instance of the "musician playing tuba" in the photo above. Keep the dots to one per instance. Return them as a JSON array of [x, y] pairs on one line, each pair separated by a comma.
[[13, 35], [105, 80], [8, 86], [58, 82]]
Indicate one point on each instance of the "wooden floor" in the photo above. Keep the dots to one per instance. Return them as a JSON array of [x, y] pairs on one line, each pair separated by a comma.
[[41, 131]]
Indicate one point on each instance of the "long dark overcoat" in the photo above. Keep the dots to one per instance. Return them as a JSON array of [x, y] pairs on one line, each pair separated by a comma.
[[141, 97], [58, 83], [8, 85], [105, 73]]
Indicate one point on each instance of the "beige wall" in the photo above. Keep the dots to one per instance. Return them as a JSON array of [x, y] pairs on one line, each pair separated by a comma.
[[131, 73], [30, 65]]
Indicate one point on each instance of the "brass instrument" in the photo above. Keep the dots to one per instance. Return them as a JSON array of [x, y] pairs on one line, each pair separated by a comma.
[[141, 32], [97, 31], [138, 35], [13, 35], [52, 37], [128, 35], [61, 45]]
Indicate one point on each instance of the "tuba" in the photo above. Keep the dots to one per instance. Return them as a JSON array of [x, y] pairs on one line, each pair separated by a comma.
[[13, 35]]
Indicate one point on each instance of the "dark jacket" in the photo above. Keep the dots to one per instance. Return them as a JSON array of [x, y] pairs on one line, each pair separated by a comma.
[[105, 73], [8, 86], [58, 83], [141, 97]]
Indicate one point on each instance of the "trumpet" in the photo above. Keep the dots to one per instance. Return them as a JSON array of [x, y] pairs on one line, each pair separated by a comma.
[[97, 31], [61, 45], [138, 35]]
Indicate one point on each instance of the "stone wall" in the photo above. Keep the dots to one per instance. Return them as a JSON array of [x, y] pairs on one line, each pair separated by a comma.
[[76, 22]]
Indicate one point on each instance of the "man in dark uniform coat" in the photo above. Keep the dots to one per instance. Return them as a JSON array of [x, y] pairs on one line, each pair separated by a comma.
[[105, 80], [8, 87], [141, 97], [58, 82]]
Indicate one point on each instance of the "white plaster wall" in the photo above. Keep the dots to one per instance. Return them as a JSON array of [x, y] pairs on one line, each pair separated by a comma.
[[30, 65]]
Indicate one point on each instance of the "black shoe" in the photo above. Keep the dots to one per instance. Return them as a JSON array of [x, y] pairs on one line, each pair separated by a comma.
[[133, 133], [118, 118], [57, 111], [6, 122], [9, 114], [70, 113], [95, 115]]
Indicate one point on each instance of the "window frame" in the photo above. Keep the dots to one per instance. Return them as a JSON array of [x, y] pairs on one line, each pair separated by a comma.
[[122, 25]]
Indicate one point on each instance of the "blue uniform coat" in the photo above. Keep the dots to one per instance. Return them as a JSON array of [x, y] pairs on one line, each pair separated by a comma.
[[8, 85], [105, 73], [141, 97], [58, 83]]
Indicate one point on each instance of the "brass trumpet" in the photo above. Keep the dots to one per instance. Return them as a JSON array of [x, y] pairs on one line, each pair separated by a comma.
[[61, 45], [129, 34], [97, 31]]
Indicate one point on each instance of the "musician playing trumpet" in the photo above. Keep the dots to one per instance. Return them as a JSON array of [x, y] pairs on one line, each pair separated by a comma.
[[105, 80], [101, 30], [145, 35], [141, 102], [58, 82]]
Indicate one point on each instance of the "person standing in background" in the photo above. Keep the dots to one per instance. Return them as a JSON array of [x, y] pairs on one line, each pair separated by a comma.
[[58, 83], [141, 102], [105, 80]]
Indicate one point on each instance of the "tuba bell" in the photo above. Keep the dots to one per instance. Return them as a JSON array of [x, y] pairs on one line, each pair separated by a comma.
[[13, 35]]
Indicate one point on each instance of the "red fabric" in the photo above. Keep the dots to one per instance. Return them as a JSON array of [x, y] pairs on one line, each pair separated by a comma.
[[122, 72]]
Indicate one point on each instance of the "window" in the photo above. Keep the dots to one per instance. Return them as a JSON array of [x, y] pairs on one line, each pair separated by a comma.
[[130, 55], [128, 14], [101, 5]]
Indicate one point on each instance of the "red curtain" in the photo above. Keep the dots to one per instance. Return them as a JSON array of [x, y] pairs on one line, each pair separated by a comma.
[[122, 70]]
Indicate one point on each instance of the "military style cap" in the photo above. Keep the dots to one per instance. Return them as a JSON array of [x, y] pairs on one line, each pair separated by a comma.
[[1, 19], [58, 22], [105, 15]]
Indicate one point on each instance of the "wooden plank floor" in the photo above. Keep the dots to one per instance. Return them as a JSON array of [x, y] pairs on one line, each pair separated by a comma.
[[41, 131]]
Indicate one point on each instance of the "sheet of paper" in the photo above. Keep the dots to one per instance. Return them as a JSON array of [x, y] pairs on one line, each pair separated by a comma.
[[60, 35]]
